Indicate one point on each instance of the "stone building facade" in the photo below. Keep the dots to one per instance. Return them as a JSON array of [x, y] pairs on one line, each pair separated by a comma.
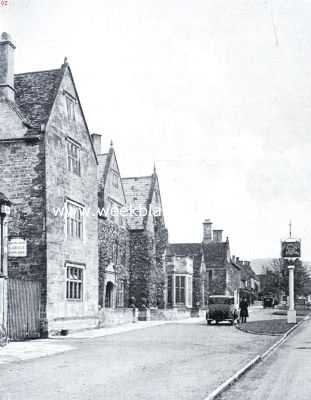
[[49, 171], [147, 240], [68, 203], [250, 282], [113, 237]]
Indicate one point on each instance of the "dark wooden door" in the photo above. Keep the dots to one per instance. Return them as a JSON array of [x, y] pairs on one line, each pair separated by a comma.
[[23, 309]]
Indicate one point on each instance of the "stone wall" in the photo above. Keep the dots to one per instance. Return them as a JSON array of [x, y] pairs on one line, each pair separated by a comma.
[[108, 317], [161, 240], [113, 238], [22, 178], [198, 276], [169, 314], [147, 265], [142, 262]]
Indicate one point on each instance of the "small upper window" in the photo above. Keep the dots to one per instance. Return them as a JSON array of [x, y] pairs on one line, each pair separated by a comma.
[[73, 154], [70, 104], [74, 220], [115, 179]]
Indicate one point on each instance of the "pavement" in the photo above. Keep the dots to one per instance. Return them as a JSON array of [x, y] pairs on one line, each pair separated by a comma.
[[182, 360], [284, 375]]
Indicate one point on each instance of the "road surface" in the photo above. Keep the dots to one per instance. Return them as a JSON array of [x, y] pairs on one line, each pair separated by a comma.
[[168, 362]]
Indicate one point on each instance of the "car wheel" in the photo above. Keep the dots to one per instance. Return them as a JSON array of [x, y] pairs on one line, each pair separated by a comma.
[[231, 322], [209, 322]]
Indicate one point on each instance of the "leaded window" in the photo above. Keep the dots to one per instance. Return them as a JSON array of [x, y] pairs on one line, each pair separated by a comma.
[[74, 282]]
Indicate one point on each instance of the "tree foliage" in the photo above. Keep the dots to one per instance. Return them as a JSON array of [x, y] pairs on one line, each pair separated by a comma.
[[276, 277]]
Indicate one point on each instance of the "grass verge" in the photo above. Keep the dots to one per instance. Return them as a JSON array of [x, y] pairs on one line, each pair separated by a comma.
[[266, 327]]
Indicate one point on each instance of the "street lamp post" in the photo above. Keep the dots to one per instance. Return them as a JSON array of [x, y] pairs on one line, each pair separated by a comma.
[[5, 208]]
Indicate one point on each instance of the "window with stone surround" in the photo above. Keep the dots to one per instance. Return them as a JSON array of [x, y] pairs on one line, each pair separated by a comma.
[[73, 157], [74, 282], [74, 220], [180, 282]]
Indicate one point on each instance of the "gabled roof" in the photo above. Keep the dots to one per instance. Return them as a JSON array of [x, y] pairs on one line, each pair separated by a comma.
[[184, 249], [35, 93], [137, 193], [215, 254], [102, 170]]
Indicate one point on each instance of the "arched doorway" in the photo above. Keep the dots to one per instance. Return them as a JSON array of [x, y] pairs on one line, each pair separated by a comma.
[[109, 295]]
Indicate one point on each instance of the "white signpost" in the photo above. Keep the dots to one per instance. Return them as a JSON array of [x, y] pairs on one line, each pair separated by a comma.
[[17, 247]]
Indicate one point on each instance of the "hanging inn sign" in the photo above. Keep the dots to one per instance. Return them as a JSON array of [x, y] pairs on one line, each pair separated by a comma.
[[291, 248]]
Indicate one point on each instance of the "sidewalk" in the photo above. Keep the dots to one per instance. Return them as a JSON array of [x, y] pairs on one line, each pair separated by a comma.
[[22, 351], [285, 375]]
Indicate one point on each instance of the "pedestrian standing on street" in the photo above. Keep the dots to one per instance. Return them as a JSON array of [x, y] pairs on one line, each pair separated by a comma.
[[243, 310]]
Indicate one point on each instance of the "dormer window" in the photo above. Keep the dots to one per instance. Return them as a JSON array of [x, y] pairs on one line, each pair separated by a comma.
[[73, 157], [70, 105]]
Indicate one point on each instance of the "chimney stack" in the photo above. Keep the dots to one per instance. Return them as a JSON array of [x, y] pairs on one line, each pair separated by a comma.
[[207, 231], [217, 235], [97, 142], [6, 67]]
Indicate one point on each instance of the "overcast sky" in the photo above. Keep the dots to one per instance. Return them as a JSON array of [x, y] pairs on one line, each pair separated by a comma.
[[216, 92]]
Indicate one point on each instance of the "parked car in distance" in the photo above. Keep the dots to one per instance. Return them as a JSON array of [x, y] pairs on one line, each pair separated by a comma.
[[221, 308], [268, 301]]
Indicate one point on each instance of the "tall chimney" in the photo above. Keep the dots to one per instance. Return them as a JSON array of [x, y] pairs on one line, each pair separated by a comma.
[[97, 142], [6, 67], [207, 231], [217, 235]]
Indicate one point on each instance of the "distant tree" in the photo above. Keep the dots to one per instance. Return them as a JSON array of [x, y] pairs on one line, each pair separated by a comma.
[[275, 279]]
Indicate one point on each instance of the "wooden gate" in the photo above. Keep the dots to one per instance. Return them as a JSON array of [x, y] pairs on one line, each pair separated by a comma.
[[23, 309]]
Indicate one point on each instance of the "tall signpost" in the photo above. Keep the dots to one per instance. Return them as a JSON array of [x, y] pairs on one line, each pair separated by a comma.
[[291, 253]]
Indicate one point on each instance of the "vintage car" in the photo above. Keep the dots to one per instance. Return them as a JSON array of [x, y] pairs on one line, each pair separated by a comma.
[[268, 301], [221, 308]]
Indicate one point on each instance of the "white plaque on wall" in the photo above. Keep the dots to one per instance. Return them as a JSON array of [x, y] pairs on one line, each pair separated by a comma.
[[17, 247]]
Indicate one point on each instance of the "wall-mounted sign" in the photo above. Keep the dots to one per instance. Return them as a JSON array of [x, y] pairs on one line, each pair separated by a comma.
[[17, 247], [291, 249]]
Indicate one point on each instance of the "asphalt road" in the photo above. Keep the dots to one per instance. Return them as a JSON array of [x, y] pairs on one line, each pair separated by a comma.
[[285, 375], [174, 361]]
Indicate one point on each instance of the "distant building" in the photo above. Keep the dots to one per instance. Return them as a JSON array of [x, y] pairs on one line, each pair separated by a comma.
[[250, 282], [211, 267], [183, 265]]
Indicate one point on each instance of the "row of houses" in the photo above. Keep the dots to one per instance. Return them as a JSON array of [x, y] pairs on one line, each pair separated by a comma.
[[93, 239]]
